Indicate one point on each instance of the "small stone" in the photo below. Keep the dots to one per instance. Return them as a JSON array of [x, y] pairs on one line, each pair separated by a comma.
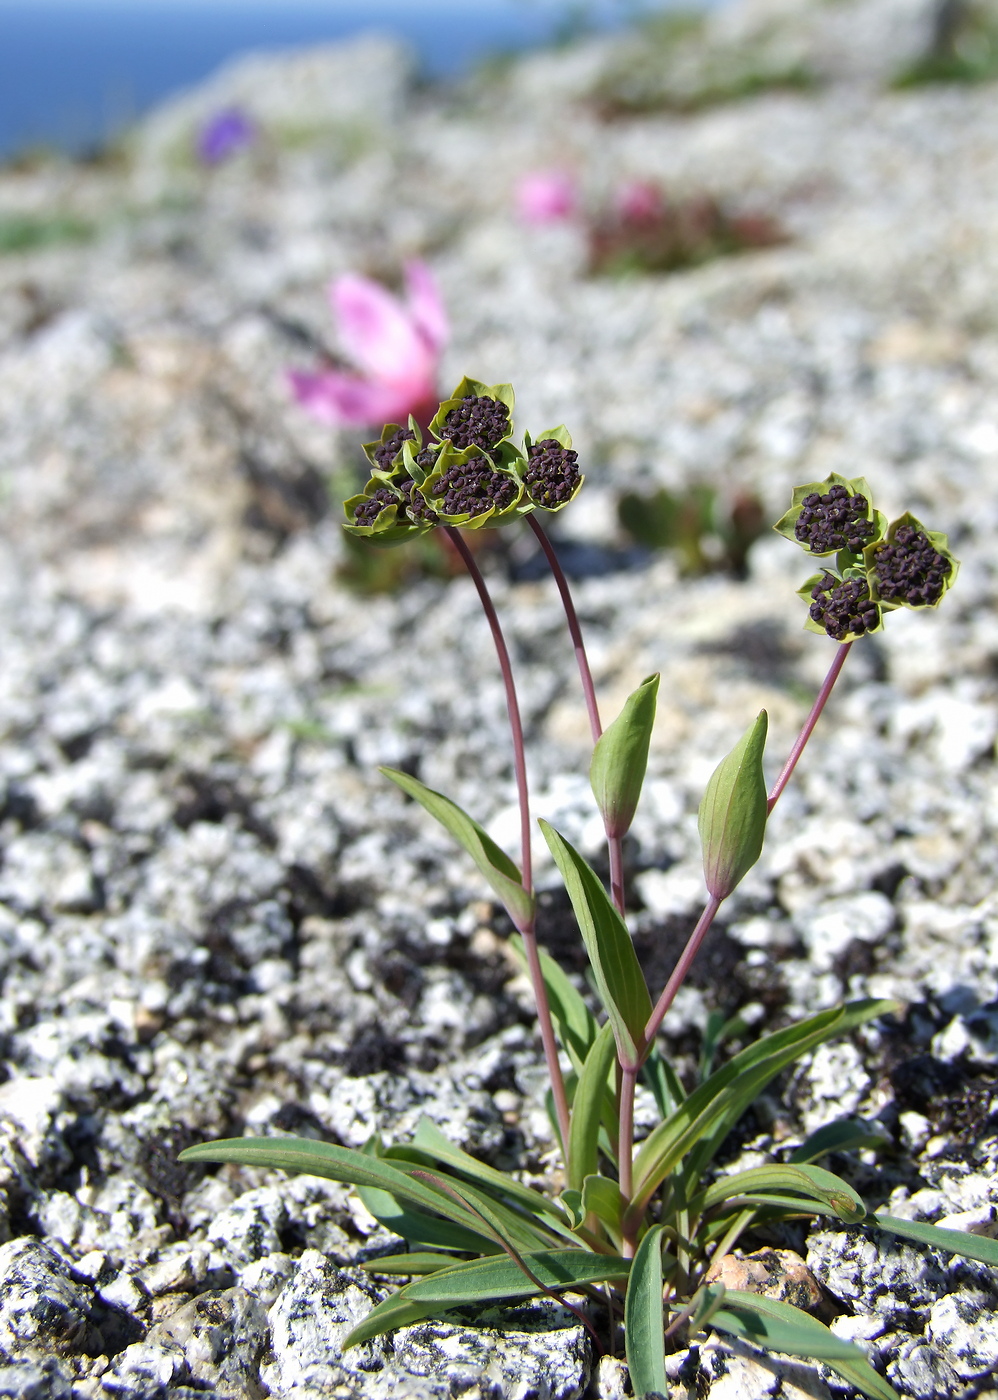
[[42, 1311], [773, 1273], [222, 1333]]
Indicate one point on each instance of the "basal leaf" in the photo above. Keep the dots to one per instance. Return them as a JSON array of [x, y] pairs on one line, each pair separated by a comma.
[[487, 1280], [644, 1323], [417, 1262], [432, 1143], [704, 1119], [663, 1081], [587, 1108], [494, 863], [778, 1326], [323, 1159], [842, 1136], [418, 1228], [810, 1183], [620, 758], [952, 1241], [385, 1317], [619, 979], [602, 1198]]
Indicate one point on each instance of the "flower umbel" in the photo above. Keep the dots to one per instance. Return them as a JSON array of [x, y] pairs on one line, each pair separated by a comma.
[[912, 566], [396, 343]]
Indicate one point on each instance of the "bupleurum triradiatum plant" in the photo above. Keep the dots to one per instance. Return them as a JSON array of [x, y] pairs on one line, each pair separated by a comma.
[[634, 1228]]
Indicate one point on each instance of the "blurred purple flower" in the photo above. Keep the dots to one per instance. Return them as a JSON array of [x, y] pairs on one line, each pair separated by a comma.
[[397, 344], [224, 135], [545, 197], [639, 202]]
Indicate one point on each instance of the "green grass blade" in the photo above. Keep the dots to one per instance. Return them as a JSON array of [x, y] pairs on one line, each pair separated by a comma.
[[619, 979], [952, 1241], [644, 1322], [492, 861], [587, 1109], [842, 1136], [575, 1025], [777, 1326], [487, 1280], [811, 1183]]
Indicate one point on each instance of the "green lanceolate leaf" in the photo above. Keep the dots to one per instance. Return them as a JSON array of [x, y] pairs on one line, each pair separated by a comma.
[[385, 1317], [844, 1136], [587, 1108], [488, 1280], [417, 1228], [429, 1140], [334, 1164], [663, 1081], [415, 1264], [575, 1025], [644, 1323], [493, 862], [952, 1241], [621, 757], [704, 1119], [733, 813], [601, 1197], [812, 1184], [778, 1326], [619, 979]]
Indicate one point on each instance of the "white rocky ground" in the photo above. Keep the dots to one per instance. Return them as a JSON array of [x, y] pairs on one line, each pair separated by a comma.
[[216, 917]]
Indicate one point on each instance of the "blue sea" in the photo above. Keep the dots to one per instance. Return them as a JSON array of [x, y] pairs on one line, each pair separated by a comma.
[[73, 72]]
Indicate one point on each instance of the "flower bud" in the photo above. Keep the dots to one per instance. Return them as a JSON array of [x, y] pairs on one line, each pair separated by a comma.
[[732, 817]]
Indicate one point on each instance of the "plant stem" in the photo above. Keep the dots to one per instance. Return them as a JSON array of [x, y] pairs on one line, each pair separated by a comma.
[[614, 843], [575, 631], [625, 1154], [526, 928], [681, 969], [842, 652]]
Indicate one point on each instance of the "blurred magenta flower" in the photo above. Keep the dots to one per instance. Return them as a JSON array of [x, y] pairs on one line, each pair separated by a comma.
[[639, 201], [546, 196], [396, 343], [224, 135]]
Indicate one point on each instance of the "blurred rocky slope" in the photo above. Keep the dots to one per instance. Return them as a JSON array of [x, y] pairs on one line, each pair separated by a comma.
[[213, 915]]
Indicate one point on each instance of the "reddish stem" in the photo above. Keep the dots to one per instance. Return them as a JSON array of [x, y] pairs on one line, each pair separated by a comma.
[[812, 719], [526, 928]]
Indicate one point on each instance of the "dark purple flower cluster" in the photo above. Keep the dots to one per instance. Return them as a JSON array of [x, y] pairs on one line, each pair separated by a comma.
[[834, 521], [843, 607], [909, 569], [391, 447], [367, 512], [478, 422], [470, 488], [416, 508], [552, 474]]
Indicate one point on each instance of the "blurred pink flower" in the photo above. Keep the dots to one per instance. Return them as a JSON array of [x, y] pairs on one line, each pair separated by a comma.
[[639, 201], [395, 343], [545, 197]]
